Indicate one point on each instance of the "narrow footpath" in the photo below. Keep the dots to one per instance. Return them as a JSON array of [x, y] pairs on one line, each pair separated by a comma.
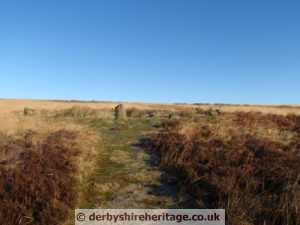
[[128, 176]]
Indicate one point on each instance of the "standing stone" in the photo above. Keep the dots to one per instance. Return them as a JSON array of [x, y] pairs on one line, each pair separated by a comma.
[[213, 112], [29, 112], [120, 112]]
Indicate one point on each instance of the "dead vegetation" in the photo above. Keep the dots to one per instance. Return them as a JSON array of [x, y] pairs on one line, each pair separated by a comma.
[[45, 162], [37, 181], [9, 105], [247, 163], [41, 180], [76, 112]]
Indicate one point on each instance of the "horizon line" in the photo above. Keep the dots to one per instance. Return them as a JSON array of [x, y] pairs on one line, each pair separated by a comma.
[[140, 102]]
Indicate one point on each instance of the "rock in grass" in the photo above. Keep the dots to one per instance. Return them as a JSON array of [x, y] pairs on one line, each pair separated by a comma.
[[120, 112], [29, 112], [212, 112], [174, 116]]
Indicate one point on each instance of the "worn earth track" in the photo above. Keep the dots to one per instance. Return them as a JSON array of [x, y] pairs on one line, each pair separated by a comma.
[[128, 176]]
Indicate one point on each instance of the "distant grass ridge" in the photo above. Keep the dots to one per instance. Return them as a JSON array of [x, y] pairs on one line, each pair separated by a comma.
[[76, 112]]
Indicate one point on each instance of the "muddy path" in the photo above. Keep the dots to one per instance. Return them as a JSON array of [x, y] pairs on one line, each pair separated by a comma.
[[127, 176]]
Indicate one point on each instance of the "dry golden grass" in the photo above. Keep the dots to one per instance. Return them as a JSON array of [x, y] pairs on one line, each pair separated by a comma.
[[12, 121], [266, 109], [14, 105], [225, 127], [14, 124]]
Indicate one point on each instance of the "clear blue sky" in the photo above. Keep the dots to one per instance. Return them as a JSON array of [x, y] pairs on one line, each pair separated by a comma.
[[243, 51]]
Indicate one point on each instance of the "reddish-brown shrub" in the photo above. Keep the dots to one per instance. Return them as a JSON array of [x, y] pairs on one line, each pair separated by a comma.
[[36, 181], [252, 177], [253, 119]]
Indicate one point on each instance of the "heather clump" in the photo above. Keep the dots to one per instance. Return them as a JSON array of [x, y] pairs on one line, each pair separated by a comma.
[[255, 177]]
